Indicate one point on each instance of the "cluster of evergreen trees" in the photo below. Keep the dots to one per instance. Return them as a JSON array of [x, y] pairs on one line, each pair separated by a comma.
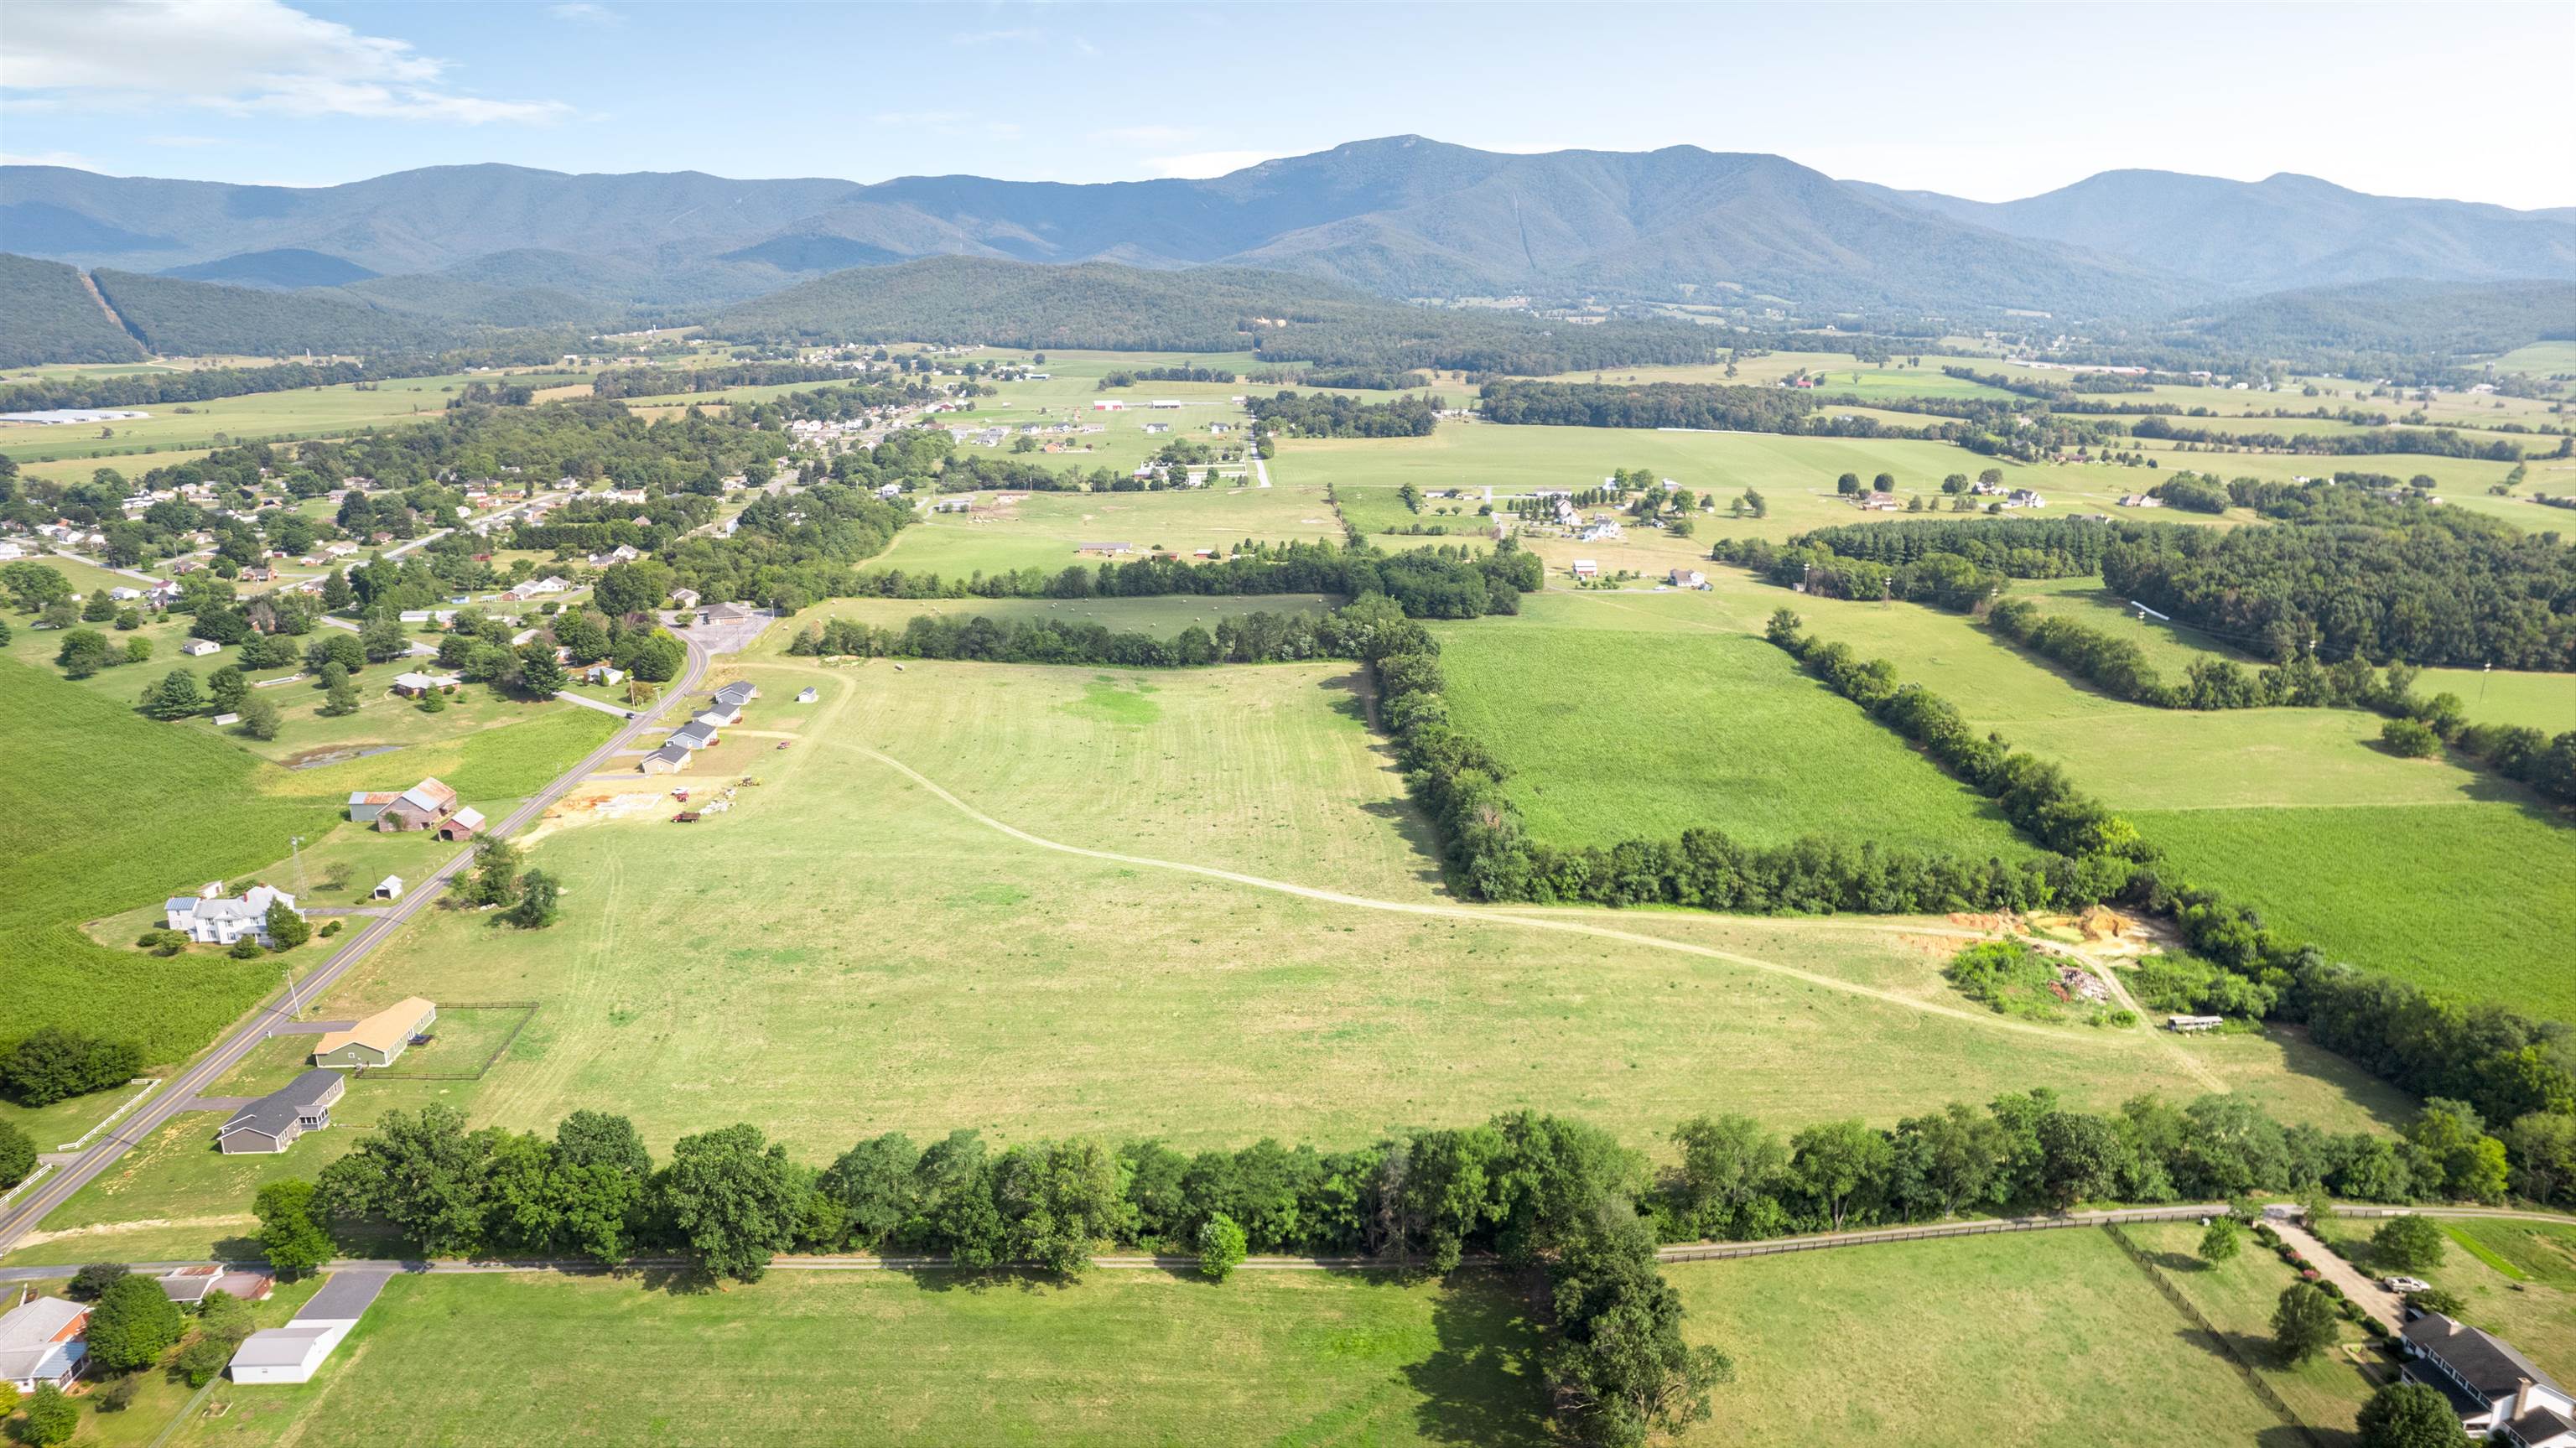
[[1326, 414], [1364, 379], [1947, 580], [2015, 547]]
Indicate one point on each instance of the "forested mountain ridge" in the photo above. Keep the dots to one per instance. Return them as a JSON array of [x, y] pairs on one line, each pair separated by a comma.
[[2285, 231], [1402, 216]]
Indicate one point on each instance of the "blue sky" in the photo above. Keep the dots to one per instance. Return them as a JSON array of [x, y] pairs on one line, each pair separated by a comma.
[[1985, 101]]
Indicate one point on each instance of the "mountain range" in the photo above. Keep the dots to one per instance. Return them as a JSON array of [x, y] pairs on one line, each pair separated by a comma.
[[1402, 216]]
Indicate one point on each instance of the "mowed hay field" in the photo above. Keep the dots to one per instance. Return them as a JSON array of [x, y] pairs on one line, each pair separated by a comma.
[[1611, 736], [1046, 531], [304, 412], [2445, 875], [812, 1358], [2034, 1339], [891, 961], [1795, 475]]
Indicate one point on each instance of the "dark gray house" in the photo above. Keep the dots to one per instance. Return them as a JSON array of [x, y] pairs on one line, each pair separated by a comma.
[[272, 1123]]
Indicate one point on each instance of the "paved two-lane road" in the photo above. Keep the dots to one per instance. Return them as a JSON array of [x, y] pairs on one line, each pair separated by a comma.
[[35, 1203]]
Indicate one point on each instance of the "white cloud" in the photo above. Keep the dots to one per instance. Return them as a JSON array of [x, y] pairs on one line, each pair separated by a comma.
[[1198, 165], [237, 56], [49, 158], [587, 13]]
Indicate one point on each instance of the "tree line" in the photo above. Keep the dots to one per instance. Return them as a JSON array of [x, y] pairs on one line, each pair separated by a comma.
[[1425, 583], [1996, 429], [1258, 637], [2440, 442], [1531, 1191], [618, 382], [2505, 1065], [1541, 1193], [1458, 781]]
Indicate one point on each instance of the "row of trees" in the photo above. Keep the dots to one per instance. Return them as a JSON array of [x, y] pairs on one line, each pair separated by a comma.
[[1537, 1191], [1253, 638], [1459, 782], [2440, 442], [2501, 1065], [1426, 582]]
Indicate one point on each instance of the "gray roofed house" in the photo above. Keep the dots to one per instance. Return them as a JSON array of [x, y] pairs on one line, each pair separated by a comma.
[[737, 693], [664, 760], [292, 1353], [274, 1121], [2491, 1384], [692, 735]]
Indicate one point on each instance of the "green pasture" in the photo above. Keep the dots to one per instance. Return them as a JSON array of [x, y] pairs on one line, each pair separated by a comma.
[[111, 811], [1046, 531], [2036, 1339], [305, 412], [1609, 737], [844, 923], [2237, 1297], [2470, 899], [1795, 475], [1119, 1358], [2544, 359]]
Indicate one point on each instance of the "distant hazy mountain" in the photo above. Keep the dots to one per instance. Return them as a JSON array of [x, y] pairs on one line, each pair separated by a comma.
[[2285, 231], [1401, 217], [286, 268]]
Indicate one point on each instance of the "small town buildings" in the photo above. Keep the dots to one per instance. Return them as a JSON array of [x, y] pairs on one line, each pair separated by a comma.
[[388, 888], [718, 716], [2190, 1025], [727, 613], [953, 505], [413, 685], [41, 1342], [273, 1122], [603, 674], [465, 824], [2024, 498], [1876, 502], [1164, 404], [1157, 429], [1586, 568], [1109, 405], [190, 1286], [738, 693], [209, 918], [2495, 1388], [379, 1039], [2142, 500], [807, 695], [199, 648], [1689, 578], [1107, 550], [693, 736], [684, 598], [668, 759]]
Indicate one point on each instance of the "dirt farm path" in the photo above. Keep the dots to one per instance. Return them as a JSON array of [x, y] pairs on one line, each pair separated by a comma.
[[1987, 1019]]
